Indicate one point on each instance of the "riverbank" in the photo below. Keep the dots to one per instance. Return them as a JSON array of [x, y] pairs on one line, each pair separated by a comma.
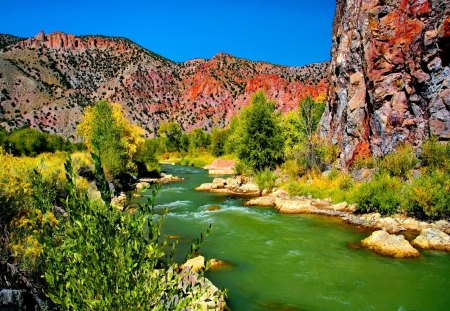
[[288, 261], [437, 239]]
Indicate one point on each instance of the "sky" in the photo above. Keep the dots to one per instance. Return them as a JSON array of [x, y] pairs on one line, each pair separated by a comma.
[[284, 32]]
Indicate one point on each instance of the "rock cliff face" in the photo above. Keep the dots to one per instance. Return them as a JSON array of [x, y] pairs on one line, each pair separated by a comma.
[[46, 81], [389, 75]]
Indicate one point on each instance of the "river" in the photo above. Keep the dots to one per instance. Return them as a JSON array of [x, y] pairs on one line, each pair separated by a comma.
[[297, 262]]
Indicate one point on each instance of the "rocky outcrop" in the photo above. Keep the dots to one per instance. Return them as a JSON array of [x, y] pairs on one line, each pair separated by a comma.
[[221, 167], [433, 239], [47, 81], [285, 204], [239, 185], [390, 245], [196, 264], [389, 75]]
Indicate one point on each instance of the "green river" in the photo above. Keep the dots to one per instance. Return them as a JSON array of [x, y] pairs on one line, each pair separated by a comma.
[[297, 262]]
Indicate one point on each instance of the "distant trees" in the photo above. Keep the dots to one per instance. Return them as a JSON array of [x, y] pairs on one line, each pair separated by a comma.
[[111, 136], [170, 136], [31, 142]]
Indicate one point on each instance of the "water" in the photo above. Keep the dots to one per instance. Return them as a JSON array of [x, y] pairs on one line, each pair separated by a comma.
[[297, 262]]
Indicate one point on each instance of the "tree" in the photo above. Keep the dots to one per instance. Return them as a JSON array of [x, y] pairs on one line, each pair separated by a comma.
[[108, 134], [261, 143], [199, 139], [170, 134], [218, 140]]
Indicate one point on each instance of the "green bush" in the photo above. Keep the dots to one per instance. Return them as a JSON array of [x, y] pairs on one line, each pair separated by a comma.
[[106, 259], [241, 168], [429, 196], [266, 179], [382, 194], [399, 163], [30, 142], [435, 155]]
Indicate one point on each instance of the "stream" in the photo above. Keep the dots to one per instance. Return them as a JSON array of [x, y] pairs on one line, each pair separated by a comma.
[[296, 262]]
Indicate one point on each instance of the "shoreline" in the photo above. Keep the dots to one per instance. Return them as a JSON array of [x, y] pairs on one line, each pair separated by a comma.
[[387, 231]]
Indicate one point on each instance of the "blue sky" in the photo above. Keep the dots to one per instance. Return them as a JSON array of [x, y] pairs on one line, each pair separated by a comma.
[[285, 32]]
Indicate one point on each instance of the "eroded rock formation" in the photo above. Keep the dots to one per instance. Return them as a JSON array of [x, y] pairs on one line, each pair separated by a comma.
[[389, 75]]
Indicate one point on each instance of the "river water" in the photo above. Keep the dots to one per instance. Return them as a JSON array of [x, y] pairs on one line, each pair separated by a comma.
[[296, 262]]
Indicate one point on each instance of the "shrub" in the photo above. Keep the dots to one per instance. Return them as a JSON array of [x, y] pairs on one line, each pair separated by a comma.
[[266, 179], [400, 162], [218, 141], [241, 168], [435, 155], [106, 259], [429, 196], [382, 194], [339, 187]]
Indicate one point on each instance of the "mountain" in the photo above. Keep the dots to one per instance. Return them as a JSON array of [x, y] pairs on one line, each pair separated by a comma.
[[48, 80], [389, 75], [6, 40]]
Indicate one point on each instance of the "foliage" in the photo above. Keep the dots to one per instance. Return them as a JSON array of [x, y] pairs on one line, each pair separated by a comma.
[[338, 186], [146, 157], [30, 142], [266, 179], [301, 143], [399, 163], [261, 142], [107, 133], [241, 168], [382, 194], [429, 196], [197, 158], [218, 140], [170, 134], [122, 250], [199, 139], [436, 155]]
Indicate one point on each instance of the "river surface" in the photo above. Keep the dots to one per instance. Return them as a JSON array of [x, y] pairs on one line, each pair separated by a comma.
[[296, 262]]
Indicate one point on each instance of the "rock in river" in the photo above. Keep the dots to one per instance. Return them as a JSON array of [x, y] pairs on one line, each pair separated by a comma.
[[431, 238], [389, 245]]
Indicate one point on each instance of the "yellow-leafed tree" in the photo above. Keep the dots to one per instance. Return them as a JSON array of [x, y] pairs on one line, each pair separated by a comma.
[[107, 133]]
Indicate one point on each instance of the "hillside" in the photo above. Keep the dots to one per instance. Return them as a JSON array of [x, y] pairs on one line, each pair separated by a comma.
[[46, 82]]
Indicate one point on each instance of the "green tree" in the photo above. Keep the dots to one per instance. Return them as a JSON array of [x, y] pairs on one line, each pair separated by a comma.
[[199, 139], [170, 134], [261, 143], [218, 140], [108, 134], [27, 142]]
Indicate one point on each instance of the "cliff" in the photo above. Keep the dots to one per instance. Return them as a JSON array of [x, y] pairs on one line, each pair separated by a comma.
[[46, 81], [389, 75]]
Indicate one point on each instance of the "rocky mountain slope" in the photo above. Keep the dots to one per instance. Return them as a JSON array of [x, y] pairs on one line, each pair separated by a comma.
[[46, 82], [389, 75]]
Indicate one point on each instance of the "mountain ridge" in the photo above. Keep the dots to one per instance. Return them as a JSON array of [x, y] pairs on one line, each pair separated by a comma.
[[47, 80]]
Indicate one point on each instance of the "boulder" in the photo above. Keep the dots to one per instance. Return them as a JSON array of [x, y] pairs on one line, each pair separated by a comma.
[[213, 208], [11, 299], [205, 187], [265, 201], [389, 245], [196, 264], [217, 264], [219, 182], [249, 187], [289, 206], [432, 238], [280, 193]]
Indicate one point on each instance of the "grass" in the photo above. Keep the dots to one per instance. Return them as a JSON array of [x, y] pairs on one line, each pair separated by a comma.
[[197, 158]]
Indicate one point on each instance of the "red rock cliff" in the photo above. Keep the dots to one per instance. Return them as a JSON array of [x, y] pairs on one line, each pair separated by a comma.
[[389, 75]]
